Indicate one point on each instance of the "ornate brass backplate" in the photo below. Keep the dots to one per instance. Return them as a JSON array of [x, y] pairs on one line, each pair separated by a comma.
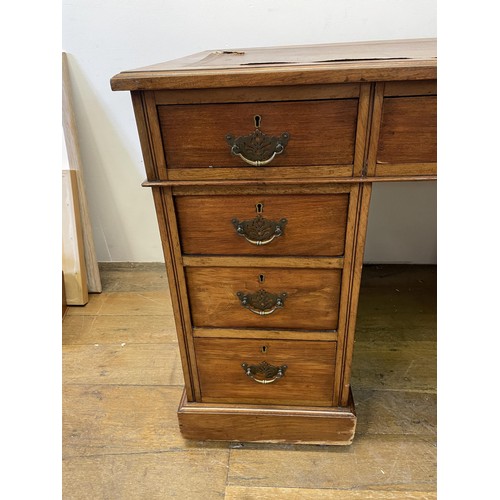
[[257, 149], [259, 230], [264, 373], [262, 302]]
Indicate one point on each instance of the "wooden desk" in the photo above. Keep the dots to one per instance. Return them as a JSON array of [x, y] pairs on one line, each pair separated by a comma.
[[261, 163]]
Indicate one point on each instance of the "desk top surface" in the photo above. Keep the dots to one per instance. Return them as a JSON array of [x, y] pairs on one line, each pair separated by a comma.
[[301, 64]]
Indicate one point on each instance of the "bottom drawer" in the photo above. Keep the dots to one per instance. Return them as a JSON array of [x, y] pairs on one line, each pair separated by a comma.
[[287, 372]]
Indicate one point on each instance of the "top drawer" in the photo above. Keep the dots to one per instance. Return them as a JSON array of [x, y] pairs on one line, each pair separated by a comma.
[[408, 131], [292, 133]]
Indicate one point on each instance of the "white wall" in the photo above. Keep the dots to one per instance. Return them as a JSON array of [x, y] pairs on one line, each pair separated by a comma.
[[402, 223], [104, 38]]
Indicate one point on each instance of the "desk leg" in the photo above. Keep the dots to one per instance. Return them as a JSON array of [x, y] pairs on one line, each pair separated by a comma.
[[357, 266]]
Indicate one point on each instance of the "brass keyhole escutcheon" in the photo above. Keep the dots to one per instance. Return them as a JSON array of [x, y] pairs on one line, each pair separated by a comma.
[[259, 207], [262, 278], [264, 349], [257, 120]]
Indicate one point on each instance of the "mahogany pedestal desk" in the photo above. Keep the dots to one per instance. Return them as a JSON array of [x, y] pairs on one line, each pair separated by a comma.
[[261, 164]]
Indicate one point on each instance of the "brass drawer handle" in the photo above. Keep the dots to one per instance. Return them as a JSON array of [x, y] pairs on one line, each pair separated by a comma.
[[257, 149], [259, 231], [262, 303], [269, 372]]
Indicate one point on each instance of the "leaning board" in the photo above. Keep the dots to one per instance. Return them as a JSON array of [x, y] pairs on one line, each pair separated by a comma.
[[73, 259], [75, 163]]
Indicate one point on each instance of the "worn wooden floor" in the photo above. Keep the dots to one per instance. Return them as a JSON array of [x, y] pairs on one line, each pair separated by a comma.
[[122, 383]]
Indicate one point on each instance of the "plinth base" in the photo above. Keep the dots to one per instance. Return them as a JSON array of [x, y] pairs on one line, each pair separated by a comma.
[[268, 424]]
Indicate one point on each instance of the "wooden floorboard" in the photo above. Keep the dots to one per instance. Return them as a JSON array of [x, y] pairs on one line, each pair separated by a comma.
[[374, 462], [122, 383], [253, 493]]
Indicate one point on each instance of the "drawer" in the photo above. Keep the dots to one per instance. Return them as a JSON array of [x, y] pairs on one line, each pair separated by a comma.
[[314, 225], [276, 371], [250, 297], [408, 131], [316, 133]]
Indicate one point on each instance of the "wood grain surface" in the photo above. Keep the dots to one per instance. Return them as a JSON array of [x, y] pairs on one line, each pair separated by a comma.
[[263, 493], [299, 65], [312, 297], [408, 132], [308, 379], [299, 425], [73, 252], [316, 224], [321, 132]]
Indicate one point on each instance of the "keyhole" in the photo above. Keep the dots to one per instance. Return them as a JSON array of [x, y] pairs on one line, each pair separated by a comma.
[[259, 207], [257, 120], [261, 278], [263, 349]]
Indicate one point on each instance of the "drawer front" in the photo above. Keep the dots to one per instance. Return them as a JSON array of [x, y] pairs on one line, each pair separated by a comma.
[[315, 225], [275, 372], [408, 130], [318, 133], [248, 297]]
